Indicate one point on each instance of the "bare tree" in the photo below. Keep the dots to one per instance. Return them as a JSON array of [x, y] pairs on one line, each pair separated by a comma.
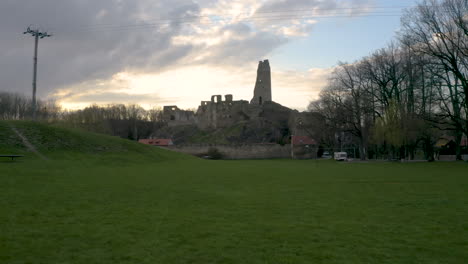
[[438, 29]]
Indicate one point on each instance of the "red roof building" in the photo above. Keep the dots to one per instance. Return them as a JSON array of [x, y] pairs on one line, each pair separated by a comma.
[[161, 142], [303, 140], [445, 140]]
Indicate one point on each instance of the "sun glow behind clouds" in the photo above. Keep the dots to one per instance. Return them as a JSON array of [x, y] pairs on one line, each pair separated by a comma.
[[188, 86]]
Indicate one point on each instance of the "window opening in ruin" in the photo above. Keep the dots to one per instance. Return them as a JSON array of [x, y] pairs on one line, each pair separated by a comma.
[[260, 100], [172, 117]]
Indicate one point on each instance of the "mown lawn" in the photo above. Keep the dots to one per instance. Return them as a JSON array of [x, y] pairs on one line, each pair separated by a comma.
[[79, 210]]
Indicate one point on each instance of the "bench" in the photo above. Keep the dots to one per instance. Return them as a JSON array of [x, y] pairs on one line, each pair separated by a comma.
[[11, 156]]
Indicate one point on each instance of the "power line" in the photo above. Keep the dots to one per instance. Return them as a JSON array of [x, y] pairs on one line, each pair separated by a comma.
[[227, 15], [36, 34], [215, 21], [271, 15], [268, 15]]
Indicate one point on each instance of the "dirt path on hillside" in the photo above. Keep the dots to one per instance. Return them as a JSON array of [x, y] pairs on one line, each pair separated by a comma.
[[27, 143]]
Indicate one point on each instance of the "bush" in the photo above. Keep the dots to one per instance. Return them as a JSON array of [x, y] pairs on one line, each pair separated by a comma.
[[214, 153]]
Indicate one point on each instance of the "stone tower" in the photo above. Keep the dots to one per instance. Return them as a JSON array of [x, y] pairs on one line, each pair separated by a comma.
[[262, 92]]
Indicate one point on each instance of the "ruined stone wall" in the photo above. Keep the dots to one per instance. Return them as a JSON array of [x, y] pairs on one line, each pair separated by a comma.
[[252, 151], [174, 116], [219, 114], [262, 91]]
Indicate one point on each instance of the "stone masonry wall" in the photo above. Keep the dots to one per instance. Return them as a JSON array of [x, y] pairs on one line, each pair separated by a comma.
[[253, 151]]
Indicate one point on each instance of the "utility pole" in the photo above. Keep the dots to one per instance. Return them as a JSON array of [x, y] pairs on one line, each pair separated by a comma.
[[36, 34]]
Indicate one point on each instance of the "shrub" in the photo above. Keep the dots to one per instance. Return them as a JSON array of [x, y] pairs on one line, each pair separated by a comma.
[[214, 153]]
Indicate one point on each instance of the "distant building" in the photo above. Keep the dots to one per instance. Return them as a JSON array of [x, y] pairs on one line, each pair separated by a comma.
[[162, 142], [446, 148], [448, 142]]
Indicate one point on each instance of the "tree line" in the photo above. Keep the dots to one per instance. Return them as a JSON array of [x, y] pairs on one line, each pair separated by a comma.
[[404, 96], [19, 107], [126, 121]]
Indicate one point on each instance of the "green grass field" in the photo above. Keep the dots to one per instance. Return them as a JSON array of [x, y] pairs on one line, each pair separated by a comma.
[[99, 199]]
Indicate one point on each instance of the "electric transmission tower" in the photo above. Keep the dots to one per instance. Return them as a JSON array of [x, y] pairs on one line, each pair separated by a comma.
[[36, 34]]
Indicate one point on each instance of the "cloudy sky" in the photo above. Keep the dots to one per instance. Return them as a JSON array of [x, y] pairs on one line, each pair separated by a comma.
[[165, 52]]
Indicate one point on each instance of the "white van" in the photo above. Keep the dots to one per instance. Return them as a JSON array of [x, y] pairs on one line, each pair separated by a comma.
[[341, 156]]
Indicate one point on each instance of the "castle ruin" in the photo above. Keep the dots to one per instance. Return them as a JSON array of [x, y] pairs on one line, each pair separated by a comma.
[[177, 117], [262, 91], [219, 113]]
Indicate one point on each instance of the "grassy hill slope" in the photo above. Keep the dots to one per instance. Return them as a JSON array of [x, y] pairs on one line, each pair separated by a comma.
[[63, 143]]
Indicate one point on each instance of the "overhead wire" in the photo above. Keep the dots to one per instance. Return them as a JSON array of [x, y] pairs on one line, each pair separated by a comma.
[[215, 21], [272, 15], [366, 9]]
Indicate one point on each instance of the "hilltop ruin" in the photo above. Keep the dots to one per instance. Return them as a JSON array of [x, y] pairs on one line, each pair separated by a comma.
[[219, 113], [227, 121]]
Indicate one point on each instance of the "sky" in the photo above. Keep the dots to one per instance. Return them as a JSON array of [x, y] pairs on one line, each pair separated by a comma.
[[180, 52]]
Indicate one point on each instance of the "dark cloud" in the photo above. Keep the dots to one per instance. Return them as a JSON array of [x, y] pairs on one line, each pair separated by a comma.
[[78, 52], [239, 51]]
